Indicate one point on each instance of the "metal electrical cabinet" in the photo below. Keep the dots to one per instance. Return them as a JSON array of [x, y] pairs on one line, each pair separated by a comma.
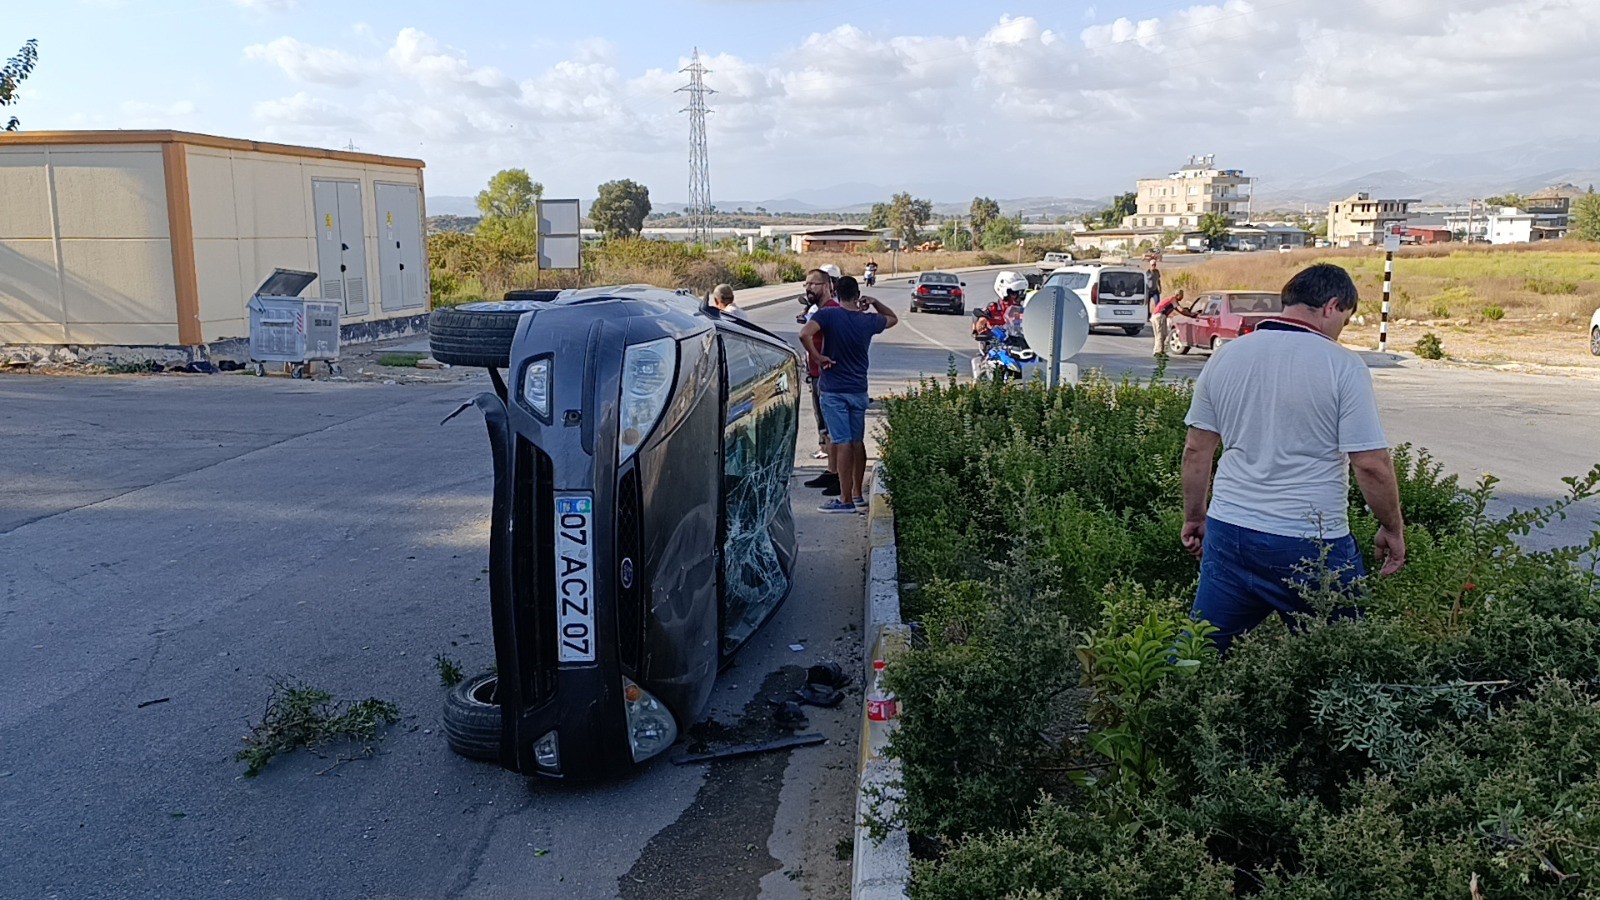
[[401, 265], [341, 243]]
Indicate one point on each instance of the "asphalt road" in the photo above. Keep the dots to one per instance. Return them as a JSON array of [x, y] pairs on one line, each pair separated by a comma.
[[173, 544]]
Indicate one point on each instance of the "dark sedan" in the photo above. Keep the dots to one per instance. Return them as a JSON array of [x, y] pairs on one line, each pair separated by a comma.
[[938, 291], [641, 525]]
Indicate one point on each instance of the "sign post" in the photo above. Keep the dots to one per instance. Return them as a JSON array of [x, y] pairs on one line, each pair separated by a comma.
[[1391, 243], [1064, 335]]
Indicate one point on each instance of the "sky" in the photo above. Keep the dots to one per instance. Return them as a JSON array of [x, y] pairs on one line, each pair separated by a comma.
[[944, 98]]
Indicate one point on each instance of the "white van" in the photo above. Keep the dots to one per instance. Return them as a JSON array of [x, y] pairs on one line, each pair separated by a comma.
[[1113, 295]]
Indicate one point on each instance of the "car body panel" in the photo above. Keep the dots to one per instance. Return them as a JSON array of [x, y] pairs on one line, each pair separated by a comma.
[[1222, 316], [1113, 296], [938, 290], [660, 524]]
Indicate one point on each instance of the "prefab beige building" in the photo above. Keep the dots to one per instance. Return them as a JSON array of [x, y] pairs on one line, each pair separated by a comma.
[[158, 238]]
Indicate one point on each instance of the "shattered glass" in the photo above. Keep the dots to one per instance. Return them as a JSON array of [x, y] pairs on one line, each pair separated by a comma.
[[758, 462]]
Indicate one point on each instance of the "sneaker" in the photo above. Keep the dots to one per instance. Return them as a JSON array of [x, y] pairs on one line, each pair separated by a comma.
[[863, 503], [826, 479], [820, 454], [831, 490], [837, 506]]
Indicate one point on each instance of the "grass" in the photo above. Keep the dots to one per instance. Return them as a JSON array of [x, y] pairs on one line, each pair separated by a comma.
[[1557, 281], [450, 673], [400, 360], [300, 716]]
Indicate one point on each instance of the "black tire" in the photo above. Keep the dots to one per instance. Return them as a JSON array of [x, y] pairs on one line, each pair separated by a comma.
[[961, 310], [476, 334], [1594, 340], [472, 718], [1132, 330]]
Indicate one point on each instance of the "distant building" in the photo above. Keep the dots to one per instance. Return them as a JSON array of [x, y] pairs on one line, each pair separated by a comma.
[[1182, 198], [1418, 234], [839, 239], [1361, 220]]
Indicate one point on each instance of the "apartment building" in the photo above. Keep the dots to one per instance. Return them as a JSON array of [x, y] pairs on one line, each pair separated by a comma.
[[1182, 198], [1361, 220]]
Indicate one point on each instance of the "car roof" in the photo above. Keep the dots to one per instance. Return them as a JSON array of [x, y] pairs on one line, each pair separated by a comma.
[[1097, 267], [945, 274]]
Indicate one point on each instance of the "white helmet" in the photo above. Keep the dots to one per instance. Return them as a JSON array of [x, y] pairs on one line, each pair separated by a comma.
[[1008, 281], [831, 270]]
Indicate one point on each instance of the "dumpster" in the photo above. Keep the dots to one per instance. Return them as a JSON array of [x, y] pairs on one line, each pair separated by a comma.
[[290, 329]]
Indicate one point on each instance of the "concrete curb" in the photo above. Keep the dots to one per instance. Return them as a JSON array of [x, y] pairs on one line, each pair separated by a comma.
[[879, 870]]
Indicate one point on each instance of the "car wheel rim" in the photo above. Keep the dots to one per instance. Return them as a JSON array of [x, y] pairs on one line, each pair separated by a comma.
[[1594, 342]]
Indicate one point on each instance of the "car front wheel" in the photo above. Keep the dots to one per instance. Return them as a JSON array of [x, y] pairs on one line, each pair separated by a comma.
[[1177, 344], [1594, 340]]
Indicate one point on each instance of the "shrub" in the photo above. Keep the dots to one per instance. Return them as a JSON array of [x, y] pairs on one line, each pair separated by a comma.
[[1429, 347], [1550, 286], [790, 271], [745, 275], [1439, 311], [1446, 732], [1493, 313]]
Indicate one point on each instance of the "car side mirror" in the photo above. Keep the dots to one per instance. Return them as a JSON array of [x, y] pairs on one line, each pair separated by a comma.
[[963, 284]]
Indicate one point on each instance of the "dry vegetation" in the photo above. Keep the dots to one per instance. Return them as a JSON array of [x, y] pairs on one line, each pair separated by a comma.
[[1520, 303]]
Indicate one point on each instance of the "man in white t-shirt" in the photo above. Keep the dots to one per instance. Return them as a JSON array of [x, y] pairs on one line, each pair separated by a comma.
[[1294, 412]]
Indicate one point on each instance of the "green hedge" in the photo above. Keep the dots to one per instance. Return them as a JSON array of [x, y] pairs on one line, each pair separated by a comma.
[[1066, 730]]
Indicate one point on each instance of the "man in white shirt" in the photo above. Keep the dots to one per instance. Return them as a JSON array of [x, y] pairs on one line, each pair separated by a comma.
[[1294, 412]]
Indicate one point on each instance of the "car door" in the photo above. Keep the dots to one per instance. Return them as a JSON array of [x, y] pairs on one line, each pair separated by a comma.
[[758, 440], [1210, 320]]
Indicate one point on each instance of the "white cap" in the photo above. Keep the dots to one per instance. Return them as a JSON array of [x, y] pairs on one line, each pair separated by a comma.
[[832, 270]]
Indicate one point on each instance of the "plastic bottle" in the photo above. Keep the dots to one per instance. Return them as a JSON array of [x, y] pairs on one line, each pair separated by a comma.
[[881, 704]]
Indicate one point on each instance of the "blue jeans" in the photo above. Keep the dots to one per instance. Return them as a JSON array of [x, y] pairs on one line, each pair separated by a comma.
[[1247, 575], [846, 416]]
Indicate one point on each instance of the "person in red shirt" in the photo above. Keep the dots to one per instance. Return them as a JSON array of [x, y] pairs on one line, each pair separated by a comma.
[[1009, 288], [1160, 324]]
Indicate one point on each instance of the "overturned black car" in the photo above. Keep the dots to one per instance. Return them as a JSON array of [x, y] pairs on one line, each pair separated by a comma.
[[642, 529]]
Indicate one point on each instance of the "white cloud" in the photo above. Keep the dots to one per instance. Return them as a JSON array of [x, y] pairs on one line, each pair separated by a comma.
[[1062, 107], [267, 5], [306, 63]]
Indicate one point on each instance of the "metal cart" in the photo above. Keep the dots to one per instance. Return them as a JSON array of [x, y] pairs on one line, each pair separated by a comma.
[[288, 328]]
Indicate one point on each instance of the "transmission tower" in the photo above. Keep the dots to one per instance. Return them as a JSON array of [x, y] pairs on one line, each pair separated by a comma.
[[699, 165]]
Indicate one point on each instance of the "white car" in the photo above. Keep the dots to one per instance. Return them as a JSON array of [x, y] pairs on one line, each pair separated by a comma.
[[1594, 333], [1114, 296]]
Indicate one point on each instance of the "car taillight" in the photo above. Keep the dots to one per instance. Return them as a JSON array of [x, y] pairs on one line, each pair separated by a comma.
[[922, 289], [956, 292], [1094, 293]]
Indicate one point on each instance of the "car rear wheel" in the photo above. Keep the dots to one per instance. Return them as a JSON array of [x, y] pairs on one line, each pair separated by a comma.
[[472, 718], [1594, 340], [1132, 330], [480, 334], [1216, 343]]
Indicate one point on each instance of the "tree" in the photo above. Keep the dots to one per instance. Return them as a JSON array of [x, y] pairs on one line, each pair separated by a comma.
[[907, 215], [952, 236], [1583, 220], [511, 194], [1001, 233], [508, 205], [1121, 207], [1215, 228], [879, 217], [1516, 200], [13, 73], [620, 209], [983, 211]]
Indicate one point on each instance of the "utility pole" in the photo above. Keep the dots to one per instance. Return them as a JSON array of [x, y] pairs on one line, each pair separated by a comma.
[[699, 164]]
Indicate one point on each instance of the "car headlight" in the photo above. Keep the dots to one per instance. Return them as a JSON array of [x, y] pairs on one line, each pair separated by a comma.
[[651, 728], [536, 387], [648, 372]]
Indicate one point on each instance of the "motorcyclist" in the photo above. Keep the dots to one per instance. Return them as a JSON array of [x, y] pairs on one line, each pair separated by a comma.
[[1010, 333], [1009, 288]]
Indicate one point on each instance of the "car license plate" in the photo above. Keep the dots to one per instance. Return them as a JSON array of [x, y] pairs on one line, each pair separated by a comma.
[[1122, 312], [575, 578]]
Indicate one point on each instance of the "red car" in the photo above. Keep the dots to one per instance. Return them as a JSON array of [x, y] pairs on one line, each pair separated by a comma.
[[1221, 316]]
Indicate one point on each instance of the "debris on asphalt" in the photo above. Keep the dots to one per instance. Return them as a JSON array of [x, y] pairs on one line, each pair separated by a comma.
[[738, 750], [821, 695], [789, 714], [830, 674], [154, 702]]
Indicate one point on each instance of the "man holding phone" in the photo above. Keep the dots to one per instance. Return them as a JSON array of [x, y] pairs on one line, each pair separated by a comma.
[[847, 332]]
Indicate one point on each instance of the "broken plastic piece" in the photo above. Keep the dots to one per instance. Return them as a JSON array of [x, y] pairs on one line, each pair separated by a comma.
[[738, 750]]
